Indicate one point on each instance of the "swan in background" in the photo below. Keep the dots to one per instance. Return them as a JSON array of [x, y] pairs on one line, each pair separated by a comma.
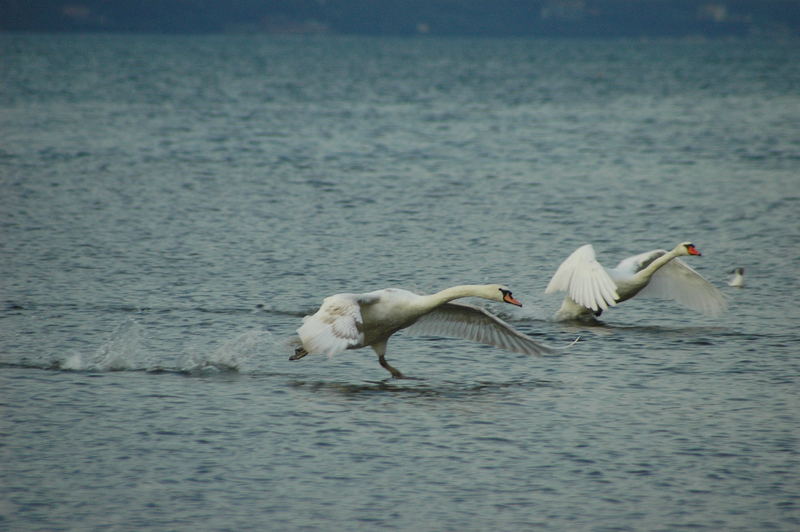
[[591, 288], [352, 321], [737, 280]]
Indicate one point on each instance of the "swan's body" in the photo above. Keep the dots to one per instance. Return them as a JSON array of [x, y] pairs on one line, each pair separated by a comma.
[[352, 321], [737, 281], [591, 288]]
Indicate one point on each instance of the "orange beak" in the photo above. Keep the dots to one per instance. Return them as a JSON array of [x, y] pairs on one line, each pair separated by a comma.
[[693, 251], [508, 298]]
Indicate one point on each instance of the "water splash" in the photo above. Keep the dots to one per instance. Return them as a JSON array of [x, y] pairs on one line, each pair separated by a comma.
[[241, 354], [122, 351]]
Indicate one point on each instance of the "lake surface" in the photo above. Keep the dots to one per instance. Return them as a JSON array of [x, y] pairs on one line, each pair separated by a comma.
[[172, 206]]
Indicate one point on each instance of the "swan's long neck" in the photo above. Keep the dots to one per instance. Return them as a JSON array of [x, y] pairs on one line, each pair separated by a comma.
[[646, 273], [455, 292]]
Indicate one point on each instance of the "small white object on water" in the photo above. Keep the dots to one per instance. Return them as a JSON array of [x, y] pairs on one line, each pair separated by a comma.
[[738, 278]]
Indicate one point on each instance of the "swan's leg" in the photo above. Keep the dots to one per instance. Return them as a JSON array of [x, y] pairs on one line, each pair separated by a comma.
[[394, 371], [380, 350]]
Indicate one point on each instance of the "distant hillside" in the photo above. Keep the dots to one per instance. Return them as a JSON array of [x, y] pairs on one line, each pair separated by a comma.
[[537, 18]]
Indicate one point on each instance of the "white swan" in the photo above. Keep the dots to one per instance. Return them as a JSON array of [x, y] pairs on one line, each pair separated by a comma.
[[737, 281], [591, 288], [352, 321]]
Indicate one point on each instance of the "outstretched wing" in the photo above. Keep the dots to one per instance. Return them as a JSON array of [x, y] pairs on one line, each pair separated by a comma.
[[632, 265], [478, 325], [678, 281], [585, 280], [335, 327]]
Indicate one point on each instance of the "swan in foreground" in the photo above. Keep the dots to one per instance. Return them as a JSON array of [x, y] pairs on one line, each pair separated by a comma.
[[352, 321], [737, 281], [591, 288]]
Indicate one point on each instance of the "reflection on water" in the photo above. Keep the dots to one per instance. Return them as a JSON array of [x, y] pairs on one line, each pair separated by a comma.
[[419, 387]]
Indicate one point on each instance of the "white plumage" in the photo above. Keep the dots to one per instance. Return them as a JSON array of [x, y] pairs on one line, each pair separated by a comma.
[[585, 280], [351, 321], [591, 288], [737, 281]]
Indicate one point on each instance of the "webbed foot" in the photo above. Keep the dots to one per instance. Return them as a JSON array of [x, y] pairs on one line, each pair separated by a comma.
[[299, 353]]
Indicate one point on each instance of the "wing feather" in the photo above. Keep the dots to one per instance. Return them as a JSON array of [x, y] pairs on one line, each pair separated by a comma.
[[678, 281], [585, 280], [478, 325], [632, 265], [335, 327]]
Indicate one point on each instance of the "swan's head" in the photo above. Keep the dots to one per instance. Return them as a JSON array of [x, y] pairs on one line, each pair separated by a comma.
[[687, 248], [503, 294]]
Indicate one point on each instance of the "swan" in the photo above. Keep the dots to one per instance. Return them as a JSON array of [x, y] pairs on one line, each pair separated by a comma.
[[737, 281], [591, 288], [352, 321]]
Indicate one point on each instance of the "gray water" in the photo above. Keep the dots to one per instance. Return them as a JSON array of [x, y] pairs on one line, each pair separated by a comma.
[[173, 206]]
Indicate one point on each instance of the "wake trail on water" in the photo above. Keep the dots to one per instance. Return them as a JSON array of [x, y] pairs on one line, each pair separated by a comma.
[[126, 349]]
